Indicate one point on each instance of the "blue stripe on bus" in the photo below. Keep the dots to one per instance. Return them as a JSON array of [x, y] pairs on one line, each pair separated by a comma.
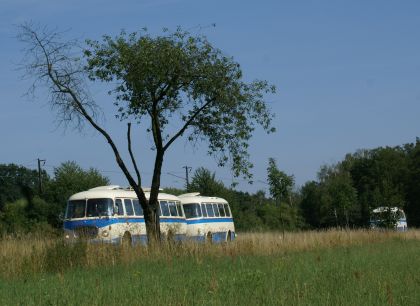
[[216, 237], [209, 220], [105, 222]]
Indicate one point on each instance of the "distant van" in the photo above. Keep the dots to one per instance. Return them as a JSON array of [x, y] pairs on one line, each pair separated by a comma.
[[381, 217]]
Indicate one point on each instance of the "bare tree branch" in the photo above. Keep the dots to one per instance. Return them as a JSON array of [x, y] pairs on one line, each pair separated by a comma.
[[188, 123], [133, 160]]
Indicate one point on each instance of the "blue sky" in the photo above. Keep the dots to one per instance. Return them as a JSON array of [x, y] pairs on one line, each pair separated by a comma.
[[347, 74]]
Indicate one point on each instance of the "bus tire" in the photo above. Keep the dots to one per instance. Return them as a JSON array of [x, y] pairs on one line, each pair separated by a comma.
[[170, 237], [126, 239], [209, 237]]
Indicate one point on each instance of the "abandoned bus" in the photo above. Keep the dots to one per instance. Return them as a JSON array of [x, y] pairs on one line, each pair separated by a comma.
[[113, 214], [388, 217], [208, 218]]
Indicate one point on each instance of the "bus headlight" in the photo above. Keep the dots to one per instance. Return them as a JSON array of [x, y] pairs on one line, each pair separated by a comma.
[[67, 236], [105, 233]]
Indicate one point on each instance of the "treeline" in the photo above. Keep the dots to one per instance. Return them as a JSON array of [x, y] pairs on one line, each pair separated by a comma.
[[255, 212], [25, 207], [343, 195]]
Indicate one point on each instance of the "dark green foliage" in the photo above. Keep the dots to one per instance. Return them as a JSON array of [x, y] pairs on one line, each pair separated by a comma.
[[412, 206], [70, 178], [205, 182], [25, 210], [16, 182], [280, 183], [28, 215], [347, 192], [250, 211]]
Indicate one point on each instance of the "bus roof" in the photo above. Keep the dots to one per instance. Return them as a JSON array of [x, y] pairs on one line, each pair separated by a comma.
[[115, 191], [195, 197]]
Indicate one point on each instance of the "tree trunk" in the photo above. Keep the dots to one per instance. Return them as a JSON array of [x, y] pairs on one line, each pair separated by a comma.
[[152, 219]]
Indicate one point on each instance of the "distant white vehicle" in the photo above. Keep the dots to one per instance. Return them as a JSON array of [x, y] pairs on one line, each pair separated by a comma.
[[380, 216], [114, 215], [208, 218]]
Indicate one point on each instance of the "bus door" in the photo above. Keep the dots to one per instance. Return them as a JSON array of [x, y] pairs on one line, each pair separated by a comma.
[[119, 215]]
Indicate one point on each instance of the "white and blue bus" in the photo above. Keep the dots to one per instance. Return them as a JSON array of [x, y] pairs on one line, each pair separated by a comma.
[[382, 215], [208, 218], [114, 215]]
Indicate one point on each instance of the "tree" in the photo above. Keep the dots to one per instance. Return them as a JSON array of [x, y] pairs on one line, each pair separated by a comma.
[[15, 180], [174, 78], [280, 183], [281, 186], [70, 178], [413, 187], [205, 182]]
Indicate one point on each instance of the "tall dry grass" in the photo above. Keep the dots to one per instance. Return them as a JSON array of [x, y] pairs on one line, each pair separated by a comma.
[[30, 255]]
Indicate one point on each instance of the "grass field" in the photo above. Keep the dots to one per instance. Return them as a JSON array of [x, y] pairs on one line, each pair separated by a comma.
[[309, 268]]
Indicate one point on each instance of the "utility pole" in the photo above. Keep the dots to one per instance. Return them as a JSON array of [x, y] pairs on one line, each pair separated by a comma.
[[40, 174], [187, 170]]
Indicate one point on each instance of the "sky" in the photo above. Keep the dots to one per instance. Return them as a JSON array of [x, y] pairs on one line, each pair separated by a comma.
[[347, 75]]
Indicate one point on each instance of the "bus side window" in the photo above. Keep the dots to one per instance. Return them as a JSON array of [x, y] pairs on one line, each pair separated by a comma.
[[180, 211], [172, 209], [119, 205], [216, 210], [227, 209], [203, 209], [221, 210], [165, 209], [138, 211], [128, 207], [210, 211]]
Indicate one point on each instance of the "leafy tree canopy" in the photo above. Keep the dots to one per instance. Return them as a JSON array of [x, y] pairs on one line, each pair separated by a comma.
[[15, 181], [70, 178], [205, 182], [280, 183], [183, 80]]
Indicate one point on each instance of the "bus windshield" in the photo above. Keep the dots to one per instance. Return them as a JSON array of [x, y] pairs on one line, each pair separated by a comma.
[[99, 207], [192, 210], [75, 209]]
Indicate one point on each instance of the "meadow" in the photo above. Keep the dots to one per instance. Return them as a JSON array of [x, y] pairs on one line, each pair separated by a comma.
[[306, 268]]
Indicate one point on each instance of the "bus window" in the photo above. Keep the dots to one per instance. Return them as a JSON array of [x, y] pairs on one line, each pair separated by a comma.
[[227, 210], [165, 209], [180, 211], [138, 211], [76, 209], [128, 207], [210, 210], [192, 210], [203, 209], [172, 209], [99, 207], [119, 205], [221, 210], [216, 210]]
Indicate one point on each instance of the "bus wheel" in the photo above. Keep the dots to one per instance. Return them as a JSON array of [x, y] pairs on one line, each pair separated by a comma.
[[209, 237], [229, 237], [126, 240], [170, 237]]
